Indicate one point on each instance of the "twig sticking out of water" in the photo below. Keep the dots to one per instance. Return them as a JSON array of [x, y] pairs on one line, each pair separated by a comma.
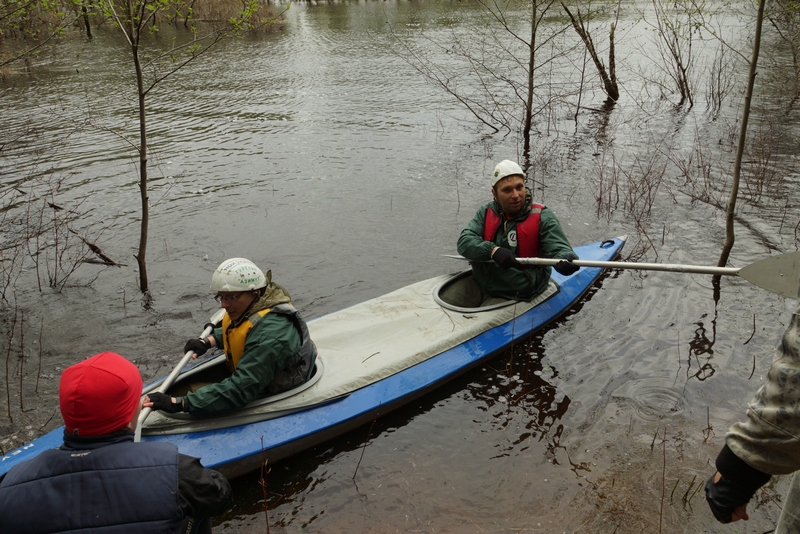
[[699, 487], [21, 356], [39, 371], [673, 490], [41, 428], [752, 333], [753, 370], [708, 431], [686, 497], [663, 479], [8, 359], [365, 445], [263, 481], [104, 260]]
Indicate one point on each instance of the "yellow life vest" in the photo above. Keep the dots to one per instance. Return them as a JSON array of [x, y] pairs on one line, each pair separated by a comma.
[[233, 339]]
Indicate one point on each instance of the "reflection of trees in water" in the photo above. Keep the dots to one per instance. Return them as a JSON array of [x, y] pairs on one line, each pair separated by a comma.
[[517, 388], [702, 346], [514, 388]]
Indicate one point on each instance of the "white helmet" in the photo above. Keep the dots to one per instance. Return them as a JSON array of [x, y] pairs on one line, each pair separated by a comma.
[[506, 168], [237, 274]]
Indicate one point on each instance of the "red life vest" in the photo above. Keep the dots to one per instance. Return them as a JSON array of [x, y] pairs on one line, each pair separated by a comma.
[[527, 231]]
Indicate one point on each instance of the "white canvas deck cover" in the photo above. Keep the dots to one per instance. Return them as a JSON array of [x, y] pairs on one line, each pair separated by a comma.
[[368, 342]]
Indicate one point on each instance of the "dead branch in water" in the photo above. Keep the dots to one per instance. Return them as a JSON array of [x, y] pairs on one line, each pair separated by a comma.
[[263, 481], [8, 359], [39, 371], [663, 480], [365, 445], [21, 356], [104, 260]]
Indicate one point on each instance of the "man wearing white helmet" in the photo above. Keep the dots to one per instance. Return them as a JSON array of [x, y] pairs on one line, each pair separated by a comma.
[[265, 340], [509, 227]]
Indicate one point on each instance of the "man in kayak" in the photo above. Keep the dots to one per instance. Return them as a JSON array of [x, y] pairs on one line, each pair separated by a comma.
[[265, 340], [99, 480], [766, 444], [509, 227]]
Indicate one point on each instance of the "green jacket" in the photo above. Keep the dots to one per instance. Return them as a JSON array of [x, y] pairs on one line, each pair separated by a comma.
[[512, 283], [271, 347]]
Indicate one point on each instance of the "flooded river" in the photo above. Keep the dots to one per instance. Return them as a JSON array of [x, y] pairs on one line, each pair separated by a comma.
[[318, 152]]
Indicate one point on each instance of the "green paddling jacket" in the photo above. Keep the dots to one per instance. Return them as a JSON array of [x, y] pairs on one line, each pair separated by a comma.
[[278, 355], [512, 283]]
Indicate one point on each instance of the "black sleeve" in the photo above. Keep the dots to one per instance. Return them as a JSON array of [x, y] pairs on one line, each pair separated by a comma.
[[201, 492], [749, 479]]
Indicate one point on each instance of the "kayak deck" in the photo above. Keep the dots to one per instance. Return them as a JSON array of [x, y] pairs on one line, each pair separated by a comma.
[[368, 342]]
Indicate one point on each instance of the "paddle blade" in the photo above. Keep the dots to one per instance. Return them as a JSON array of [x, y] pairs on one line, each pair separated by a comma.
[[779, 274]]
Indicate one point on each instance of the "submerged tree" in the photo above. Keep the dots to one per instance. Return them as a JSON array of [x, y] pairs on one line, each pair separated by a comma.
[[675, 25], [784, 17], [29, 27], [607, 75], [516, 73], [751, 78], [138, 21], [503, 73]]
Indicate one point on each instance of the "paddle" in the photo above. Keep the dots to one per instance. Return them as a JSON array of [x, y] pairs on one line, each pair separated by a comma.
[[162, 388], [779, 274]]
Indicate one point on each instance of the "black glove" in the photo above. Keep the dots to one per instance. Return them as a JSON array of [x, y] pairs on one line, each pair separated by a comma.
[[565, 267], [735, 489], [506, 259], [724, 496], [197, 345], [162, 401]]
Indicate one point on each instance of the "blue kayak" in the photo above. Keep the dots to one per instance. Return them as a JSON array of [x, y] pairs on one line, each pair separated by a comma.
[[373, 357]]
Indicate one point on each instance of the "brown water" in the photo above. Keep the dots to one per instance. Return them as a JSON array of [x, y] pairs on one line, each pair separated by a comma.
[[320, 154]]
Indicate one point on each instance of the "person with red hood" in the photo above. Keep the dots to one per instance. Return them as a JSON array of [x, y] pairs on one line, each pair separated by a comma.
[[99, 480]]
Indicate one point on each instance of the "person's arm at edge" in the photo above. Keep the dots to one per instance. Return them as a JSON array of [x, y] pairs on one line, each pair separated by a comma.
[[767, 442], [733, 485], [201, 492]]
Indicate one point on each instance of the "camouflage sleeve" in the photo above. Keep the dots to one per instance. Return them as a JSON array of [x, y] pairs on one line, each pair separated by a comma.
[[769, 440]]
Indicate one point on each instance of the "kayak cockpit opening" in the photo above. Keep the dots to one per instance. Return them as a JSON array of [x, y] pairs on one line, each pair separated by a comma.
[[461, 293]]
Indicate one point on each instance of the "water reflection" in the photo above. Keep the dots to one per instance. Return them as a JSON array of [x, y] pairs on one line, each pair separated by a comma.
[[511, 404], [518, 393], [701, 346]]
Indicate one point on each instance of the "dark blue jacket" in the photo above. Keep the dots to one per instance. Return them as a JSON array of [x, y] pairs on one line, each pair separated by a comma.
[[94, 485]]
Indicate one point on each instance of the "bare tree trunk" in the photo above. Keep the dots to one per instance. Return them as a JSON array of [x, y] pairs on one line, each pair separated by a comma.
[[141, 255], [609, 80], [85, 12], [731, 209], [526, 130], [143, 228], [612, 61]]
